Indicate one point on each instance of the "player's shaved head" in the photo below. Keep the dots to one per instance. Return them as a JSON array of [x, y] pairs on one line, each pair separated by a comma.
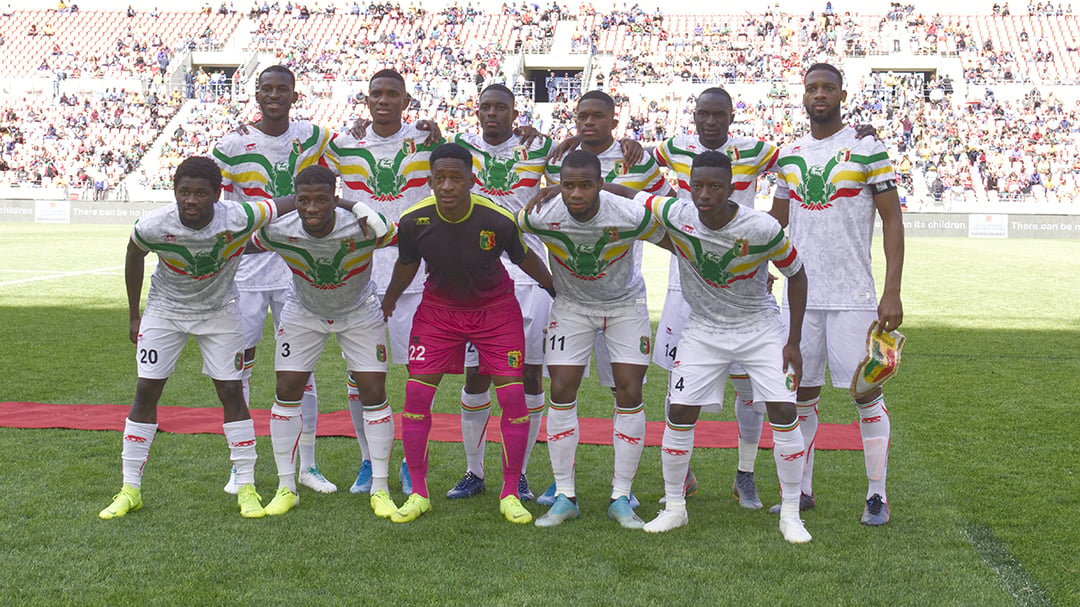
[[198, 167], [582, 159], [599, 96], [828, 68], [711, 159], [499, 88], [715, 90], [388, 74], [316, 175], [453, 151], [280, 69]]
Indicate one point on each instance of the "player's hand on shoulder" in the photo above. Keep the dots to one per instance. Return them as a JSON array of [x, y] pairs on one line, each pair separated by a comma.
[[242, 129], [866, 130], [541, 197], [527, 133], [359, 128], [632, 152], [564, 146], [432, 127]]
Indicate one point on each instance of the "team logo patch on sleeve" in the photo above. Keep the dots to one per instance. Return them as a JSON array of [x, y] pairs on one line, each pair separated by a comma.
[[487, 240], [513, 359]]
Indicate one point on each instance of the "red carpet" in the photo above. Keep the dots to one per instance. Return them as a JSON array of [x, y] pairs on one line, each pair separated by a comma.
[[445, 428]]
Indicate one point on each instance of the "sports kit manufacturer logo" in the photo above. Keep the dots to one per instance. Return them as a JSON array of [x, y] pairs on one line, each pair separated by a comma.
[[792, 456], [675, 452], [524, 419], [631, 440], [413, 416], [423, 221], [487, 240], [131, 438], [561, 435], [243, 443], [381, 420]]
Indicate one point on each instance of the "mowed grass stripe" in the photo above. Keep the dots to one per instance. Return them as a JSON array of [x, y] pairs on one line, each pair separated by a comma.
[[993, 551]]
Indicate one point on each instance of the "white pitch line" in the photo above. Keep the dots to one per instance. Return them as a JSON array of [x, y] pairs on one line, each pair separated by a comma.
[[8, 283]]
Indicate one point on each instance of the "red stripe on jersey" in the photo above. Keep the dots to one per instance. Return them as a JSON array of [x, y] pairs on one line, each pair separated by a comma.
[[256, 193], [787, 261], [845, 193]]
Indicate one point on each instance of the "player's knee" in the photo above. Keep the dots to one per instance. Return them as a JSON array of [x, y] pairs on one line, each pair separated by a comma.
[[781, 413], [533, 378], [683, 414], [476, 382]]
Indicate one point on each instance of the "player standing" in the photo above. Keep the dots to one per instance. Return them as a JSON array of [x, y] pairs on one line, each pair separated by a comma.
[[256, 164], [508, 171], [750, 158], [832, 184], [595, 121], [723, 251], [589, 236], [387, 169], [329, 254], [468, 297], [192, 292]]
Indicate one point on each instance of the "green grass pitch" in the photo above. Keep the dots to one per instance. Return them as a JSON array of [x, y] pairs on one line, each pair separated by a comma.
[[982, 478]]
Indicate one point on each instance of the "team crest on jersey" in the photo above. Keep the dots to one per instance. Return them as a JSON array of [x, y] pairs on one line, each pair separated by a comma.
[[297, 147], [385, 182], [498, 176], [325, 274], [815, 189], [646, 344], [238, 361], [612, 234], [514, 358], [224, 238], [380, 353], [711, 268], [843, 155], [348, 245], [487, 240], [408, 146], [733, 154], [742, 247], [520, 153], [169, 238], [423, 221], [621, 167]]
